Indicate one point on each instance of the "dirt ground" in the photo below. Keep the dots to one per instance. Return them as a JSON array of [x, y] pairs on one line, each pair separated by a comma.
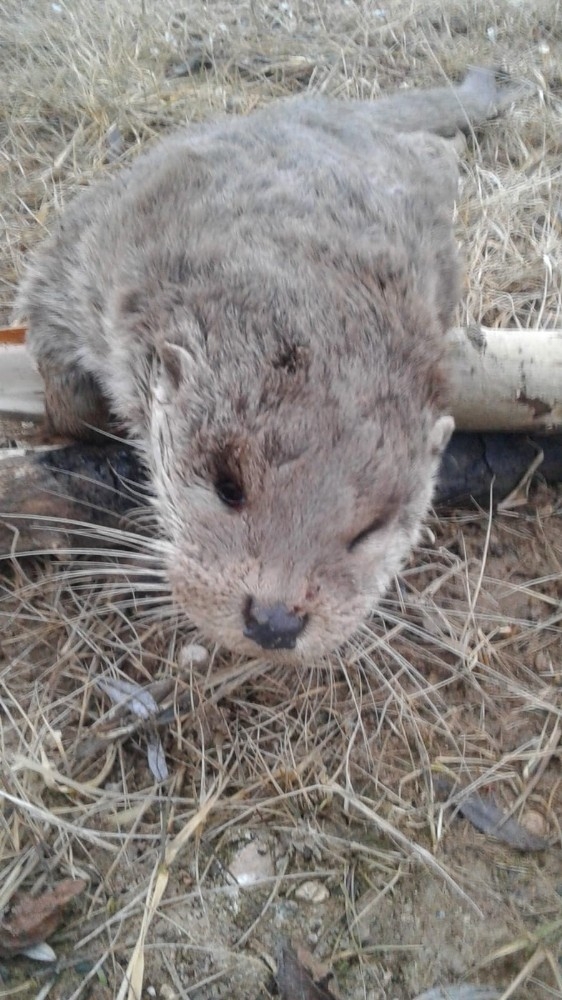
[[322, 806]]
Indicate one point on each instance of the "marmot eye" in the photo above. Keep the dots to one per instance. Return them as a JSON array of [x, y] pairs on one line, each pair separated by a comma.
[[230, 492], [376, 524]]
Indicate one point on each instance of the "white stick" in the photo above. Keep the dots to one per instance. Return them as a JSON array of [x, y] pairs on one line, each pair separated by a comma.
[[501, 380], [506, 380], [21, 386]]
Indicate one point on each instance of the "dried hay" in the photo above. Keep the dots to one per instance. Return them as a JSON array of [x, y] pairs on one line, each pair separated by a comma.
[[332, 771]]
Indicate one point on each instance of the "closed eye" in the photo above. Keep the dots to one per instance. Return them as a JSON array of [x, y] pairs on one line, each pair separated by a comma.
[[376, 524]]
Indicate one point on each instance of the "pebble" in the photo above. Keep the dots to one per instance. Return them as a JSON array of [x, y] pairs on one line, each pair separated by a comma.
[[252, 864], [535, 823], [193, 655], [312, 892], [543, 663]]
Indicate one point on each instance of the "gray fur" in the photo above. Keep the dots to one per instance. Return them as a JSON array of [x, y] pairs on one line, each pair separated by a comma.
[[266, 297]]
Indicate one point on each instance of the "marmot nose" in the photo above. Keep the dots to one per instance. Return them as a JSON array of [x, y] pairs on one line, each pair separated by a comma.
[[272, 626]]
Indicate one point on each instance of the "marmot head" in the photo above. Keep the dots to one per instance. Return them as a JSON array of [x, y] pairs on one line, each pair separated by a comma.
[[291, 488]]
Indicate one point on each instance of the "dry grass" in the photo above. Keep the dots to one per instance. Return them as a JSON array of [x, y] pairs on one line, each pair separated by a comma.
[[331, 771]]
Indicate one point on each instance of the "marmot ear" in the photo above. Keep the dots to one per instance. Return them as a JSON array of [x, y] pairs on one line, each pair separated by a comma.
[[441, 434], [177, 364]]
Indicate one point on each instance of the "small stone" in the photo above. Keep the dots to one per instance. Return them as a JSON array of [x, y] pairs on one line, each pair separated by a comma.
[[193, 655], [543, 663], [535, 823], [312, 892], [252, 863]]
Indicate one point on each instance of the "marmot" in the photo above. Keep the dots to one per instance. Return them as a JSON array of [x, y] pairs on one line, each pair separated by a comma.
[[261, 302]]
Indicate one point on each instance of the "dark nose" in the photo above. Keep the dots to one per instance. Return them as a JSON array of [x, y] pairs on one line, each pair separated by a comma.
[[272, 626]]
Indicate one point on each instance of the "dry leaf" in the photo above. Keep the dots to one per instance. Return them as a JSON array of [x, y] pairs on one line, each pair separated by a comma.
[[40, 953], [32, 919], [486, 816], [139, 701], [156, 759], [135, 698], [300, 976]]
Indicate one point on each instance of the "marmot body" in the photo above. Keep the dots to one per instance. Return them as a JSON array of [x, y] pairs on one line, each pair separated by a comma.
[[262, 302]]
